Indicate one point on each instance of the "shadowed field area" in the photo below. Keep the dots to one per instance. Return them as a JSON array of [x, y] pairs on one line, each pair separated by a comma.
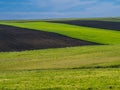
[[93, 23], [17, 39]]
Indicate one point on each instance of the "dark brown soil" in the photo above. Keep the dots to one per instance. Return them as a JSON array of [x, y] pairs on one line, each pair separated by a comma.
[[91, 23], [19, 39]]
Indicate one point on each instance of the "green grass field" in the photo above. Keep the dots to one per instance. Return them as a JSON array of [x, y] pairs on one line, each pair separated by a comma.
[[83, 79], [71, 68], [84, 33], [74, 57], [78, 68]]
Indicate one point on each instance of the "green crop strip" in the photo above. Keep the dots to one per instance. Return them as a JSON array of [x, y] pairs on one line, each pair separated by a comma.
[[101, 36], [96, 79], [71, 68], [74, 57]]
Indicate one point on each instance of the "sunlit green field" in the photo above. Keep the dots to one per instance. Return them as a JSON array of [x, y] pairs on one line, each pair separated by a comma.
[[101, 36], [77, 79], [73, 68], [77, 57]]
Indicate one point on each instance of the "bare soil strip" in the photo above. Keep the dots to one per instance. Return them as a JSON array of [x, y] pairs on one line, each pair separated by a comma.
[[19, 39], [92, 23]]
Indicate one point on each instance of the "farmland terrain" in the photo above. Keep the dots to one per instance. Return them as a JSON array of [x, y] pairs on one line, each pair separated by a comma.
[[18, 39], [95, 66], [78, 32], [93, 23]]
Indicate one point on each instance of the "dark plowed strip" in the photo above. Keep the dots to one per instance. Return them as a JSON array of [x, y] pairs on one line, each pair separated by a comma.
[[91, 23], [18, 39]]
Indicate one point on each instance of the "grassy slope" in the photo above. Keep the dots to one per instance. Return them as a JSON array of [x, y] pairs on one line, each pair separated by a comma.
[[25, 67], [25, 70], [85, 79], [77, 57], [84, 33]]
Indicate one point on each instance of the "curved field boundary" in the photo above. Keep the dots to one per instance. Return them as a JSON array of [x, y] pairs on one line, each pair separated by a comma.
[[92, 23], [17, 39], [101, 36]]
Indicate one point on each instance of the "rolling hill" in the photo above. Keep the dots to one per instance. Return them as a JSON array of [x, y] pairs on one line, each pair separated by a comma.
[[110, 25], [92, 67], [19, 39]]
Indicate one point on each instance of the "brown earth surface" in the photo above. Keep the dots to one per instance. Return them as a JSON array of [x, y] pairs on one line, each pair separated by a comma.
[[92, 23], [19, 39]]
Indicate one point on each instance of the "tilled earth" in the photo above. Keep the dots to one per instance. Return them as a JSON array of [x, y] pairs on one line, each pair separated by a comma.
[[92, 23], [19, 39]]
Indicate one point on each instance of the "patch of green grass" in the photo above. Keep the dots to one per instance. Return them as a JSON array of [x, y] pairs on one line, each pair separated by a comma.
[[101, 36], [74, 57], [71, 68], [85, 79]]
